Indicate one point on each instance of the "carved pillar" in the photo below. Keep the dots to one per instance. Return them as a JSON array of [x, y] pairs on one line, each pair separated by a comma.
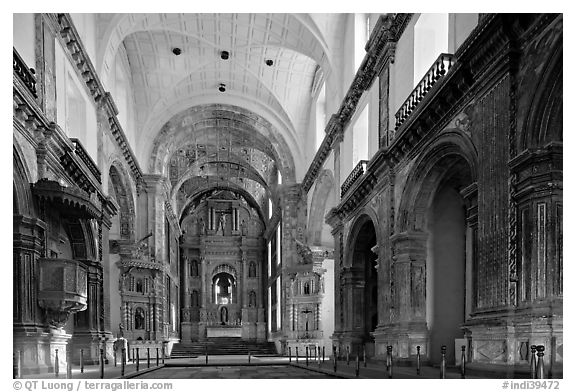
[[337, 232], [87, 326], [293, 205], [407, 328]]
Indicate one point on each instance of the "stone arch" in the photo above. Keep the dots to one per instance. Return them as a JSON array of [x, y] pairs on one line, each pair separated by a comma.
[[545, 114], [323, 198], [227, 268], [22, 195], [228, 186], [448, 153], [433, 237], [123, 195], [217, 116], [365, 215]]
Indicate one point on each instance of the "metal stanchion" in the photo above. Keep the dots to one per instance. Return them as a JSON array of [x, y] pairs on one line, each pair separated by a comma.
[[68, 362], [347, 355], [323, 353], [463, 363], [335, 361], [540, 364], [296, 354], [17, 360], [533, 362], [364, 355], [81, 360], [249, 355], [389, 360], [163, 353], [318, 355], [137, 358], [102, 363], [306, 355], [289, 354], [56, 364], [357, 365], [443, 362], [157, 358], [148, 357], [206, 352], [418, 360], [123, 362], [133, 354], [115, 358]]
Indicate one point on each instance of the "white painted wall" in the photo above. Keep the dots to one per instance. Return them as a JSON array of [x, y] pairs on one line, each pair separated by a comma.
[[24, 37], [75, 110]]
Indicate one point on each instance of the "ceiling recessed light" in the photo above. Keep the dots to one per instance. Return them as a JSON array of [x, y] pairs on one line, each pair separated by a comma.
[[222, 87], [269, 62], [224, 55], [177, 51]]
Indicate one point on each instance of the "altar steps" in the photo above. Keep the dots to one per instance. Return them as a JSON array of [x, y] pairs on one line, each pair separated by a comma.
[[222, 346]]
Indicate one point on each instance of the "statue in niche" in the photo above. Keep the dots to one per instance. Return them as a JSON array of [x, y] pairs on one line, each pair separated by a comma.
[[224, 315], [201, 227], [221, 222], [243, 228]]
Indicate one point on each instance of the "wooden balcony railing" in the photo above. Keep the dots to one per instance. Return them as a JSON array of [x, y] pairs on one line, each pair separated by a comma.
[[25, 74], [436, 72], [81, 153], [356, 173]]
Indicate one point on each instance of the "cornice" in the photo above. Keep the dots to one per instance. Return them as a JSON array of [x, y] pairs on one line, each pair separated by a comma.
[[379, 49], [86, 72]]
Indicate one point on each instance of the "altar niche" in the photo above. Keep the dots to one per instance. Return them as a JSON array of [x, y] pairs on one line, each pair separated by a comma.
[[222, 261], [223, 288]]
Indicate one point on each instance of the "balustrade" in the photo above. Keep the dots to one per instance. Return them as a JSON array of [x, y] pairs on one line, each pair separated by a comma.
[[81, 153], [437, 71], [356, 173], [25, 74]]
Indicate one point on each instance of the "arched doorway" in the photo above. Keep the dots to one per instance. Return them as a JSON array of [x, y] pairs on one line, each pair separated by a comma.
[[437, 226], [365, 275], [445, 271]]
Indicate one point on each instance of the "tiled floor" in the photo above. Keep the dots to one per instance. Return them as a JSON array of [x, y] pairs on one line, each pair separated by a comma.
[[223, 372]]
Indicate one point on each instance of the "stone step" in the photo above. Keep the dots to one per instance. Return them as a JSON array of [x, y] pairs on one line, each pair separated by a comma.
[[223, 346]]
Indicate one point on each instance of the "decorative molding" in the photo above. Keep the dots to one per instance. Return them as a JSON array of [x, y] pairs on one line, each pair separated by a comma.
[[88, 73], [380, 49]]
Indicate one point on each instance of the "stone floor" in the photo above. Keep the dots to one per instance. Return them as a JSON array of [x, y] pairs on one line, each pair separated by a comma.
[[223, 372]]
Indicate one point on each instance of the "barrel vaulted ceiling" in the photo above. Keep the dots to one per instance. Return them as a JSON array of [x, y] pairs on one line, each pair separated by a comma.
[[265, 109]]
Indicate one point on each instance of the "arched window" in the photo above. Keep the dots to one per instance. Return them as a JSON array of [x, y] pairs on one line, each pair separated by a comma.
[[252, 270], [307, 288], [139, 318], [139, 286], [194, 268], [195, 299], [252, 299]]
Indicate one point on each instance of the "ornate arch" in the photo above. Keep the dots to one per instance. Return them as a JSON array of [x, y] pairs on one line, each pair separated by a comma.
[[22, 195], [451, 156], [226, 268], [324, 189], [366, 215], [545, 114], [123, 195]]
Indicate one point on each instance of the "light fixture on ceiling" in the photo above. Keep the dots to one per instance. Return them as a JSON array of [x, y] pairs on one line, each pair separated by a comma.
[[224, 55], [269, 62], [177, 51], [222, 87]]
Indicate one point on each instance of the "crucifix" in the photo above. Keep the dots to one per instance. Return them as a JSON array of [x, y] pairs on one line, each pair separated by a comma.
[[306, 312]]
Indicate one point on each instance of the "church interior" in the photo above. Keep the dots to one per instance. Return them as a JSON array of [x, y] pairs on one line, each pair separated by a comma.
[[367, 185]]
